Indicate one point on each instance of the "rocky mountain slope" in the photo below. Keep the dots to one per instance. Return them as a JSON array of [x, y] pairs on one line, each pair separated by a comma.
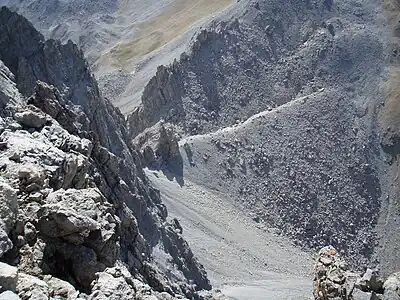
[[124, 40], [279, 124], [282, 108], [78, 216]]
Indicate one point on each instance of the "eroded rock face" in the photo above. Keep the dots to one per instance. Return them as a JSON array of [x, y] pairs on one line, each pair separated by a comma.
[[76, 201], [159, 148]]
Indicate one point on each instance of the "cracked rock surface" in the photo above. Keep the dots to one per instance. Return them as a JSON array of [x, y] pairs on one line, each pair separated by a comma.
[[79, 219]]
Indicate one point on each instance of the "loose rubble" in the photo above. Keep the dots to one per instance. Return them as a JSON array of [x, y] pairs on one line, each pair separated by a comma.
[[333, 280]]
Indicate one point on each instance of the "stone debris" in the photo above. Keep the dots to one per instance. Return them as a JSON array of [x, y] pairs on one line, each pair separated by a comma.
[[8, 277], [333, 280]]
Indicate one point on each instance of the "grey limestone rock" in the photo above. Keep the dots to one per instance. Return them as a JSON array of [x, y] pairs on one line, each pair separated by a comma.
[[8, 277], [84, 202], [392, 287], [111, 285], [31, 118], [31, 287], [8, 295], [8, 214], [60, 289], [334, 281]]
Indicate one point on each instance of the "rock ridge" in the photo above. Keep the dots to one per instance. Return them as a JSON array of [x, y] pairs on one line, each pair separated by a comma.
[[80, 216]]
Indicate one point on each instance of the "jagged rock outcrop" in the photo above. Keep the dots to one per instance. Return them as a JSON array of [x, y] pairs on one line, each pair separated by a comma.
[[160, 149], [333, 280], [77, 203]]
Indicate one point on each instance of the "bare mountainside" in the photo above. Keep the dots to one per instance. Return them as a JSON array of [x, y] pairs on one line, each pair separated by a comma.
[[275, 133], [79, 219], [124, 40], [282, 106]]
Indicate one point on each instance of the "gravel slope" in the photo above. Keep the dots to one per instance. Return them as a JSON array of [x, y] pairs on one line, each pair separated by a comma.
[[245, 259]]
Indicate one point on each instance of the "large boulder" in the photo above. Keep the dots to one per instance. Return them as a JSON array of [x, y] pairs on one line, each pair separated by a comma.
[[8, 295], [392, 287], [8, 277], [32, 288], [112, 284], [83, 219], [8, 213], [31, 118]]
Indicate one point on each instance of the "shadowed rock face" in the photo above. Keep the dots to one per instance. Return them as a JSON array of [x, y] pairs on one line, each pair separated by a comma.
[[85, 209]]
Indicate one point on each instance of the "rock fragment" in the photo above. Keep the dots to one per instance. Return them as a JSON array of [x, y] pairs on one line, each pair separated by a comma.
[[8, 277], [31, 119]]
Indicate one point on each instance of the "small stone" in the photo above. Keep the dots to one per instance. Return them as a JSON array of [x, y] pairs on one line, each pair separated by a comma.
[[20, 241], [392, 287], [14, 126], [370, 281], [3, 145], [360, 295], [36, 197], [15, 157], [5, 242], [326, 260], [164, 296], [30, 233], [32, 187]]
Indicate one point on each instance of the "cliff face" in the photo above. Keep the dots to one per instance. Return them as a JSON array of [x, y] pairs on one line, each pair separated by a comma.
[[77, 204]]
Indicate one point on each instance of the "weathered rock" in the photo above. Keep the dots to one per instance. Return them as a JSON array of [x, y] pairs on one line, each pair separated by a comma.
[[371, 281], [360, 295], [160, 148], [8, 213], [85, 203], [9, 94], [84, 219], [8, 205], [8, 277], [111, 286], [61, 289], [8, 295], [30, 118], [392, 287], [5, 242], [149, 156], [32, 288], [31, 174]]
